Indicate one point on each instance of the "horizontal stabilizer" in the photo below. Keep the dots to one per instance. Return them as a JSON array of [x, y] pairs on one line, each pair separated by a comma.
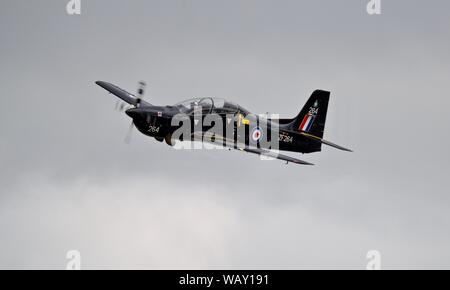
[[312, 137]]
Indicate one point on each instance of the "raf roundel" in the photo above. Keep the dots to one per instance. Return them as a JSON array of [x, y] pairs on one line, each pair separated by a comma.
[[256, 134]]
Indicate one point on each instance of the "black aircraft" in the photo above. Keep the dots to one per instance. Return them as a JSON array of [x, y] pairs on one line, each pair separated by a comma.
[[227, 124]]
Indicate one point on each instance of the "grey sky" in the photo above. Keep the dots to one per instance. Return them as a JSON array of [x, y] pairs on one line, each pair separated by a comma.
[[69, 181]]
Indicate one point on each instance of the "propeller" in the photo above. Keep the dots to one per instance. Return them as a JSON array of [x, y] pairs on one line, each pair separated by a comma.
[[121, 106], [140, 93], [140, 96], [127, 139]]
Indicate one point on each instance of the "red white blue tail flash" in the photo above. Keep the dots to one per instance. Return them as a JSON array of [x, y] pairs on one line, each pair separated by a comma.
[[307, 123], [308, 120]]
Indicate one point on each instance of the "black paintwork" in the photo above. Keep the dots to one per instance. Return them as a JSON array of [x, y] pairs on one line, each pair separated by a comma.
[[156, 121]]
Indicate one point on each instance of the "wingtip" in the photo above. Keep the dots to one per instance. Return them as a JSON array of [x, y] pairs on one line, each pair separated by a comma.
[[346, 149], [107, 86], [301, 162], [343, 149]]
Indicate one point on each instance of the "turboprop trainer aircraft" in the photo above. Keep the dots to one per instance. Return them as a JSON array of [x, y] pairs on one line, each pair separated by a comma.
[[227, 124]]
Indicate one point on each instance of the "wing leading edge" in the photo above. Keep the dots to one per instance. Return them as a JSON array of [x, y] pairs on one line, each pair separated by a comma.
[[121, 93]]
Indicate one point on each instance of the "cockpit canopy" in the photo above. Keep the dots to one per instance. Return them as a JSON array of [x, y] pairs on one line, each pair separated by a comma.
[[209, 105]]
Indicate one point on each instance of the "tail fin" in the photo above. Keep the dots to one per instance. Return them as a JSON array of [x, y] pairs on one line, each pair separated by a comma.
[[311, 118]]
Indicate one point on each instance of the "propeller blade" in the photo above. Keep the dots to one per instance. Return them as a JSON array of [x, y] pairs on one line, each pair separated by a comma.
[[141, 88], [140, 92], [129, 133]]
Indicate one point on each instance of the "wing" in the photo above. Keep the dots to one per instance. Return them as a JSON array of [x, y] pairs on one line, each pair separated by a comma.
[[121, 93], [276, 155], [242, 147]]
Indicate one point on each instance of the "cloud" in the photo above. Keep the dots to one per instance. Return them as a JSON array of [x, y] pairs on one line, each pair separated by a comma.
[[68, 181]]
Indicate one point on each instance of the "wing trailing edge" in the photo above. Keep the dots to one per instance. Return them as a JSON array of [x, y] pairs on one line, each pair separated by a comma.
[[276, 155]]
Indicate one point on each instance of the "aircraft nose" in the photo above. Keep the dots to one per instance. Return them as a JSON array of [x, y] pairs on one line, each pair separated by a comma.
[[134, 112]]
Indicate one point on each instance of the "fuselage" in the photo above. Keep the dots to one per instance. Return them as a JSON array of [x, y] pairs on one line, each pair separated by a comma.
[[224, 123], [239, 127]]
